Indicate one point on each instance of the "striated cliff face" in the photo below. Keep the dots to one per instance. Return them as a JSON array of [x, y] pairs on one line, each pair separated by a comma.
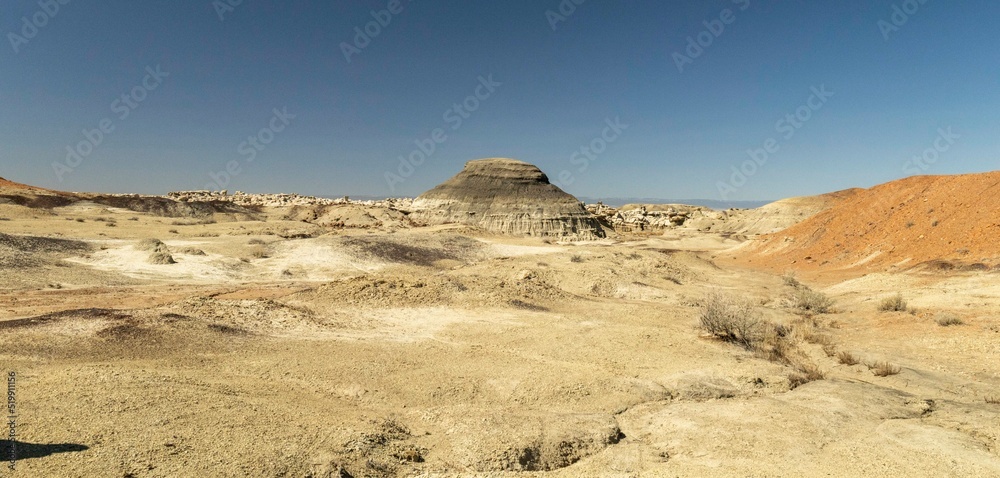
[[506, 196]]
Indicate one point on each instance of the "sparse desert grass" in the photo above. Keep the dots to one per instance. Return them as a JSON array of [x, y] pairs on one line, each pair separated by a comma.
[[945, 320], [895, 303], [790, 280], [817, 338], [576, 258], [191, 251], [848, 358], [808, 300], [80, 219], [992, 399], [732, 318], [804, 374], [173, 231], [192, 222], [673, 277], [884, 369], [256, 242]]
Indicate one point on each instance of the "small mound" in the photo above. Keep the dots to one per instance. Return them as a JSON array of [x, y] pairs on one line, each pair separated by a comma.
[[247, 316], [32, 251], [151, 245], [414, 250], [161, 258]]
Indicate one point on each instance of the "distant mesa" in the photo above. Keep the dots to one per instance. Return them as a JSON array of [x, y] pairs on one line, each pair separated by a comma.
[[506, 196]]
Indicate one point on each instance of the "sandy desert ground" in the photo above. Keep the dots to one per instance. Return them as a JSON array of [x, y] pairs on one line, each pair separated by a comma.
[[237, 344]]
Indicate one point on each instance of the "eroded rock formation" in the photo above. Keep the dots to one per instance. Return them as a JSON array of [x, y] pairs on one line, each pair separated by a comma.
[[506, 196]]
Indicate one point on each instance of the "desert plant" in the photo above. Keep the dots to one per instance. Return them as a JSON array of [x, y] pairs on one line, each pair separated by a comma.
[[576, 258], [884, 369], [812, 301], [945, 320], [259, 253], [256, 242], [848, 358], [805, 373], [992, 399], [733, 319], [173, 231], [895, 303], [790, 280]]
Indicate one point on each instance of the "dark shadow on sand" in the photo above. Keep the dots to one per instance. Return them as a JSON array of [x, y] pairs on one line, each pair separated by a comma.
[[26, 451]]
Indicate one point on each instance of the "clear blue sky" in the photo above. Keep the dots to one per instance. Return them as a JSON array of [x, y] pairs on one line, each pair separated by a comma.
[[685, 132]]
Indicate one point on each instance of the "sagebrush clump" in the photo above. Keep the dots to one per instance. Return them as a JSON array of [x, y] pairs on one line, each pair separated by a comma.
[[733, 319], [808, 300], [895, 303]]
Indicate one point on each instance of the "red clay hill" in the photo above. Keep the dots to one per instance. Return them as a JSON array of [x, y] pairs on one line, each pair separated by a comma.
[[917, 222]]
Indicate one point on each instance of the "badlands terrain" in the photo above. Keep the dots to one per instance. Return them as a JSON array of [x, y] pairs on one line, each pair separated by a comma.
[[494, 327]]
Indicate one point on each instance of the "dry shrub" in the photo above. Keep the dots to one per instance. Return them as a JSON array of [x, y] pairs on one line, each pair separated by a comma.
[[895, 303], [256, 242], [817, 339], [992, 399], [848, 358], [884, 369], [790, 280], [259, 253], [804, 374], [733, 319], [576, 258], [945, 320], [809, 300]]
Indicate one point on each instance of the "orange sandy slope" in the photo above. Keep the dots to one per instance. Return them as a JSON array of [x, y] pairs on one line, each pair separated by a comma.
[[900, 224]]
